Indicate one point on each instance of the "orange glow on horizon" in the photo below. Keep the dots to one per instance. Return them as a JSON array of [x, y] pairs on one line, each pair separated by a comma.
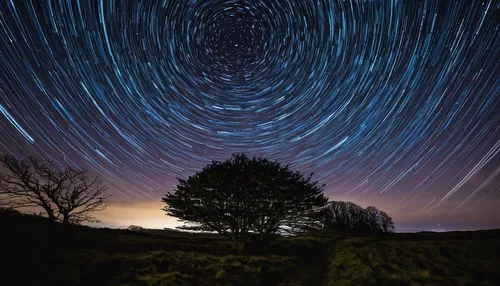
[[145, 214]]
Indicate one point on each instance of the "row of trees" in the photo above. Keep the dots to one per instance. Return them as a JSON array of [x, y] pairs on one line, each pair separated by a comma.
[[255, 196], [67, 195], [347, 216]]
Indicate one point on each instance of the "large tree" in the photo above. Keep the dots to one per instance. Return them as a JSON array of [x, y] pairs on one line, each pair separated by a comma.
[[66, 194], [243, 195]]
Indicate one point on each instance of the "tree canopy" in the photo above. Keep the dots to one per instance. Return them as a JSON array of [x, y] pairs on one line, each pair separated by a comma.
[[246, 195], [66, 194], [347, 216]]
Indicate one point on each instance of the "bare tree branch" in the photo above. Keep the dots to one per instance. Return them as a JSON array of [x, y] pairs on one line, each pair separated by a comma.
[[62, 192]]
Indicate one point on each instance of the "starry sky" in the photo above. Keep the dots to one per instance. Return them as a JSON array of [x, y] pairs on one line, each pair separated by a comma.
[[390, 103]]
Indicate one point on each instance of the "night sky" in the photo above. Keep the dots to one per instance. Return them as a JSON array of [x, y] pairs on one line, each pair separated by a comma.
[[390, 103]]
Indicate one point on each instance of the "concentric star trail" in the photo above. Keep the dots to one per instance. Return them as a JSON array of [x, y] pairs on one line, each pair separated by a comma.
[[398, 99]]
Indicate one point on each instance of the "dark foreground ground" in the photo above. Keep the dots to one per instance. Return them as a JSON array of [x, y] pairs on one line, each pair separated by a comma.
[[36, 252]]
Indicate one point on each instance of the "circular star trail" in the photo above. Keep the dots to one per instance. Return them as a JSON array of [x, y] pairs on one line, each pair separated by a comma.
[[392, 99]]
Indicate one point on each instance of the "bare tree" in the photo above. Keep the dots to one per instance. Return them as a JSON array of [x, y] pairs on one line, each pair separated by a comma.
[[65, 194]]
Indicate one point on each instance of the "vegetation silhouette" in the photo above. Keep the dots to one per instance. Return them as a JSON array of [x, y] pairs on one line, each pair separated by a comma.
[[349, 217], [334, 243], [245, 195], [66, 194], [40, 252]]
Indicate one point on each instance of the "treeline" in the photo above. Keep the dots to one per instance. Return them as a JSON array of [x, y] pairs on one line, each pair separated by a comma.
[[349, 217]]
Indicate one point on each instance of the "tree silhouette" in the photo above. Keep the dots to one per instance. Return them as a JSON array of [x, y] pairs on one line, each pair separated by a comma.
[[135, 228], [65, 194], [347, 216], [387, 223], [243, 195], [374, 218]]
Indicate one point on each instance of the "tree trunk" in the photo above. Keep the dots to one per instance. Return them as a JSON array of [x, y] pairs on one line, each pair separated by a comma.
[[261, 237], [236, 245], [50, 214], [65, 218]]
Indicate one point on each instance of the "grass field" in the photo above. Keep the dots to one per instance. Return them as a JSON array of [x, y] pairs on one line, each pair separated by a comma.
[[440, 259], [36, 252]]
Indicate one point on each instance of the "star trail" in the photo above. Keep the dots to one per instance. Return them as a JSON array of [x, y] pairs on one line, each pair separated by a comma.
[[385, 101]]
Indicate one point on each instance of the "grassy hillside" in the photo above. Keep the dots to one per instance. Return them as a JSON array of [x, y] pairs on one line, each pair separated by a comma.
[[37, 252], [467, 258]]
